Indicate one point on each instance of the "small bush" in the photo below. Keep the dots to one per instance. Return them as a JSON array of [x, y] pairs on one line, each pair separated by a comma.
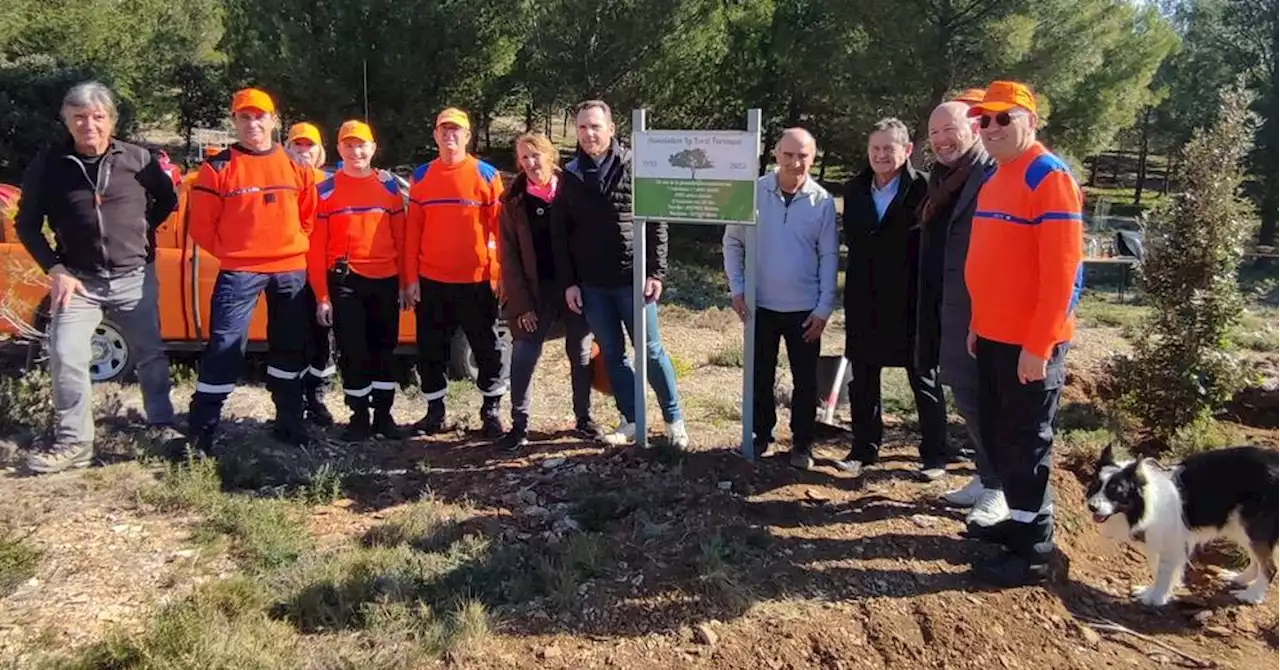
[[26, 402], [219, 627], [427, 525], [681, 366], [1184, 366], [182, 375], [718, 575], [18, 561], [1203, 435], [265, 534], [191, 486], [324, 485], [727, 357]]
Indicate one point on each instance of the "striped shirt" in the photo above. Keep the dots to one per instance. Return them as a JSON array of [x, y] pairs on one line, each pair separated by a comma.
[[452, 229], [1024, 269]]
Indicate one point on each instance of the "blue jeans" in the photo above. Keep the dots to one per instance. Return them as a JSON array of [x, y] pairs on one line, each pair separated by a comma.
[[235, 294], [607, 311]]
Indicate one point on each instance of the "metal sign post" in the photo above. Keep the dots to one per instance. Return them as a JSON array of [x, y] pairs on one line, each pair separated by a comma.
[[639, 340], [686, 176]]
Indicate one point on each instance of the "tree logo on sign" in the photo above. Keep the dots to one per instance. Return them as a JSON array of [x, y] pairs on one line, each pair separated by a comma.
[[692, 160]]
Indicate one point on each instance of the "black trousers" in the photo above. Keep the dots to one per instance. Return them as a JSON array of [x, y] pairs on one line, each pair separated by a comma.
[[444, 308], [319, 349], [1017, 431], [772, 327], [366, 323], [867, 408]]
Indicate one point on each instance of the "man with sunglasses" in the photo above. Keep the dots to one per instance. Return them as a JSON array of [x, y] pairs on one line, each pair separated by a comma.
[[451, 270], [1024, 275]]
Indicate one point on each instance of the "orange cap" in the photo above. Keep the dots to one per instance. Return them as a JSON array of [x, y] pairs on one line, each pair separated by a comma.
[[1002, 96], [304, 131], [252, 98], [971, 96], [355, 130], [210, 152], [455, 116]]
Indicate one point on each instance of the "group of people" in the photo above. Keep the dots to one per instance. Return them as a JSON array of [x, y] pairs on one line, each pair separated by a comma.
[[344, 250], [965, 276]]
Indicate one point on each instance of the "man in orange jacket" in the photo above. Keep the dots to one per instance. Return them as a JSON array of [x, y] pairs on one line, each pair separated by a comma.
[[304, 141], [1024, 275], [356, 252], [451, 269], [253, 207]]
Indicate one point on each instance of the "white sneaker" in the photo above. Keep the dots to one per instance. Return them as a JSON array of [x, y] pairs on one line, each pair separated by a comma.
[[677, 435], [854, 468], [989, 510], [625, 433], [966, 496]]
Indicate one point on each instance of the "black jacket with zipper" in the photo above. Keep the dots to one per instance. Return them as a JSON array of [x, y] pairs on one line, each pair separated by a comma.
[[105, 228], [592, 229]]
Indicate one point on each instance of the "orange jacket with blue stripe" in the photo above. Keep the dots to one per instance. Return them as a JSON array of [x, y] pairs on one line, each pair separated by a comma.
[[254, 210], [451, 234], [361, 219], [1024, 268]]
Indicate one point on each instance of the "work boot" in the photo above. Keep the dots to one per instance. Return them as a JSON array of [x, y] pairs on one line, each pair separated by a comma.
[[357, 429], [313, 401], [60, 457], [1012, 569], [384, 426], [433, 422], [490, 422], [287, 396], [515, 440]]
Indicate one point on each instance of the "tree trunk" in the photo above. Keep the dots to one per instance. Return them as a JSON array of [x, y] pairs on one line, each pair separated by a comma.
[[528, 117], [1142, 159], [1093, 170]]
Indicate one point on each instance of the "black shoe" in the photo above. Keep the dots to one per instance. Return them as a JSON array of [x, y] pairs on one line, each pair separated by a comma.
[[515, 440], [760, 447], [385, 427], [490, 422], [313, 406], [318, 414], [491, 427], [1001, 533], [801, 457], [1010, 570], [433, 422], [358, 428], [588, 429]]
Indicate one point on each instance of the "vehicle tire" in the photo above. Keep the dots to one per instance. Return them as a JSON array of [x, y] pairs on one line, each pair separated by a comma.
[[462, 361], [112, 360]]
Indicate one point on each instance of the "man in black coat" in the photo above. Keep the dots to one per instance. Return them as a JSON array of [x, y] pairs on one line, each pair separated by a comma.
[[882, 233]]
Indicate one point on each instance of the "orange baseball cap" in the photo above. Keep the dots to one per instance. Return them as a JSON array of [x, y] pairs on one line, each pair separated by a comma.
[[455, 116], [1002, 96], [355, 130], [971, 96], [304, 131], [252, 98]]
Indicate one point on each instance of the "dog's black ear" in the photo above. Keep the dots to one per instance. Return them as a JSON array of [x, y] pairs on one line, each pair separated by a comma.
[[1107, 457]]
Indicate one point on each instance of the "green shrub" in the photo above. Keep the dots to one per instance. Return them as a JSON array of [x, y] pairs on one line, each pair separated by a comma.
[[1184, 366]]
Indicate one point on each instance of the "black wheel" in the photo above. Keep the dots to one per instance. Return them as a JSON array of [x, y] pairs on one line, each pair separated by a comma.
[[462, 360]]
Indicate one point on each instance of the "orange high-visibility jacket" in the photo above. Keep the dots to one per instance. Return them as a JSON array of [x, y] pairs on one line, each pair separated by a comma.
[[360, 219], [452, 228]]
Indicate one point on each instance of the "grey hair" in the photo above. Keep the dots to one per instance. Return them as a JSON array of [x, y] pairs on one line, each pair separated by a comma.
[[90, 94], [896, 128], [594, 104]]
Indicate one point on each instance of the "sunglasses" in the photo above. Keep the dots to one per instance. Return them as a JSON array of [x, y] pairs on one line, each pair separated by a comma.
[[1002, 119]]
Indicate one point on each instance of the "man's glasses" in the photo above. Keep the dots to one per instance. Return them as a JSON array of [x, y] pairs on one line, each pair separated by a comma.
[[1002, 119]]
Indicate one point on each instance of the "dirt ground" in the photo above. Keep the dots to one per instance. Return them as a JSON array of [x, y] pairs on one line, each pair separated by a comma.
[[707, 560]]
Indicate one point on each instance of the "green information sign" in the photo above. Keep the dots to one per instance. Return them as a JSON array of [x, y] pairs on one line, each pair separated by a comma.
[[695, 176]]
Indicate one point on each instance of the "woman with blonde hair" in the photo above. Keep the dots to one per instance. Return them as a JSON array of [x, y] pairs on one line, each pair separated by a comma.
[[534, 300]]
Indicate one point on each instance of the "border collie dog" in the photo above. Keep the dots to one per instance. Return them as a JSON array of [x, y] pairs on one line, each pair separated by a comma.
[[1229, 494]]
